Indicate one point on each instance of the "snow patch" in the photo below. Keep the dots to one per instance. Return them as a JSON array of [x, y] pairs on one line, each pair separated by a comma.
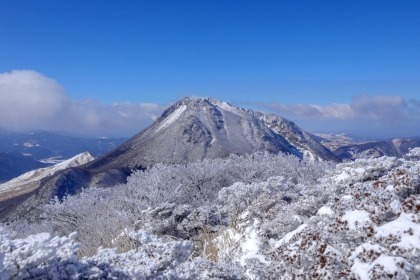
[[289, 236], [356, 218], [325, 210], [403, 227], [52, 160], [349, 173], [172, 117], [29, 145], [225, 106], [250, 248]]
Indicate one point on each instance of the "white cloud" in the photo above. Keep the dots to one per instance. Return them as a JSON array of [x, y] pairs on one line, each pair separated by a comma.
[[27, 98], [366, 115], [337, 111], [386, 108], [30, 100]]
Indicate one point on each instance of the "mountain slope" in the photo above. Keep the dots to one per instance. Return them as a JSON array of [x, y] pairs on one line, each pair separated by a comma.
[[12, 165], [193, 129], [30, 181], [189, 130], [302, 140]]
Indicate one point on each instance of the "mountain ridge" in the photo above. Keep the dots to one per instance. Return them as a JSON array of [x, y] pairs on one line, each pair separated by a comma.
[[397, 147], [190, 130]]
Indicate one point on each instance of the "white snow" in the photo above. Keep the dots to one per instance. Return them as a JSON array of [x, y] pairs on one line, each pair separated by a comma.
[[30, 179], [356, 218], [52, 160], [405, 228], [386, 263], [390, 188], [28, 145], [250, 248], [347, 197], [225, 106], [341, 177], [395, 206], [289, 236], [172, 117], [325, 210], [349, 173], [389, 245]]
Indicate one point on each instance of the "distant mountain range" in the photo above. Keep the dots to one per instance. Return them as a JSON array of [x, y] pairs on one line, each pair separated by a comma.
[[193, 129], [347, 147], [22, 152], [14, 164], [333, 141], [394, 148]]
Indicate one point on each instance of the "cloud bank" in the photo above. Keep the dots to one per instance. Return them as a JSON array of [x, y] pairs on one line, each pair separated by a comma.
[[369, 116], [30, 100]]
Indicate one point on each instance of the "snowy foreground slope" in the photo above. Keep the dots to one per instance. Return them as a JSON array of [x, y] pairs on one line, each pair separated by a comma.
[[357, 220]]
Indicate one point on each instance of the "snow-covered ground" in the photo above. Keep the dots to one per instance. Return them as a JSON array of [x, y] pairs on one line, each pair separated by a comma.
[[359, 221]]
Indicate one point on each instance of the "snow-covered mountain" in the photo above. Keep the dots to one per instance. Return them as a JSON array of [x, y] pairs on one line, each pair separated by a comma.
[[355, 220], [21, 152], [15, 164], [394, 148], [194, 129], [31, 181], [191, 129]]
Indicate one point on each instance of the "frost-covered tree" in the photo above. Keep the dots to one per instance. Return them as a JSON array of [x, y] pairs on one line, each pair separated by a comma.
[[255, 217]]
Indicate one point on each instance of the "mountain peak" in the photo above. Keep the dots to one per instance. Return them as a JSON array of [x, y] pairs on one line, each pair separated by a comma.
[[197, 102], [196, 128], [191, 129]]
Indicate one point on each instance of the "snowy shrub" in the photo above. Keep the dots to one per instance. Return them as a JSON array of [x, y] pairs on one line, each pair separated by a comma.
[[414, 154], [363, 231], [255, 217], [39, 255], [199, 182], [98, 215], [42, 256]]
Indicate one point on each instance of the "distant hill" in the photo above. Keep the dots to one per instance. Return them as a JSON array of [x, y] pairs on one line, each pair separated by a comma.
[[13, 165], [22, 152], [394, 148], [50, 146], [333, 141]]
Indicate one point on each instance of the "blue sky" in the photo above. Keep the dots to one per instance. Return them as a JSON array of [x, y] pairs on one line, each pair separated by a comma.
[[244, 52]]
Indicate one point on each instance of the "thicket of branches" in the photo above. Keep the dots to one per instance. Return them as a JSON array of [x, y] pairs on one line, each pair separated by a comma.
[[260, 216], [99, 215]]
